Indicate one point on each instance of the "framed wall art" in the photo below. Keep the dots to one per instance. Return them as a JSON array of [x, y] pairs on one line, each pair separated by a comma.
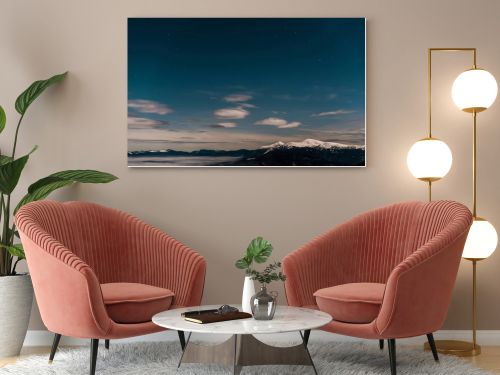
[[246, 92]]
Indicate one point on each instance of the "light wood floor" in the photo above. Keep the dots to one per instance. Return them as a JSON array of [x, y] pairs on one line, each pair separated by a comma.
[[488, 360]]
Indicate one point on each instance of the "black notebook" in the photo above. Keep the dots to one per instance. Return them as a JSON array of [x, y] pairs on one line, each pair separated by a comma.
[[213, 316]]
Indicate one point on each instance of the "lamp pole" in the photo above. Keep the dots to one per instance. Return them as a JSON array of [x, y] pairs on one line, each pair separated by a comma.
[[474, 165], [454, 347], [474, 215]]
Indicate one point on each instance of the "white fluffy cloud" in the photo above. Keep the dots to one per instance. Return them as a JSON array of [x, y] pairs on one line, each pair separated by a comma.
[[278, 122], [231, 113], [149, 106], [294, 124], [333, 113], [144, 123], [273, 121], [236, 98]]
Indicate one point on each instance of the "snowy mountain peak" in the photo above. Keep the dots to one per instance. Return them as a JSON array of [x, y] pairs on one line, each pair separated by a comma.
[[311, 143]]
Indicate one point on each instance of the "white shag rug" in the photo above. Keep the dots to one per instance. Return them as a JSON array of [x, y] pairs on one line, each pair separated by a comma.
[[162, 357]]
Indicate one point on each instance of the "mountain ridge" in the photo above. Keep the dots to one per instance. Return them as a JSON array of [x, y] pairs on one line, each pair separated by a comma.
[[312, 143], [309, 152]]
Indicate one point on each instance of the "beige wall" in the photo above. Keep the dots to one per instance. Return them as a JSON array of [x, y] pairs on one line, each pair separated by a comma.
[[82, 124]]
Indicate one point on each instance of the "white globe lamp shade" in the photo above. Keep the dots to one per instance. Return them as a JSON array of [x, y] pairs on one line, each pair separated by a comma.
[[481, 241], [474, 90], [429, 159]]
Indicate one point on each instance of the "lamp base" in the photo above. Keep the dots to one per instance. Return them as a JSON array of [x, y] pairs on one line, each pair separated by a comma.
[[456, 348]]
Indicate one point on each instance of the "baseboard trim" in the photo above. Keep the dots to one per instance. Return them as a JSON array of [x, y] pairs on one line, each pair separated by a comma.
[[484, 337]]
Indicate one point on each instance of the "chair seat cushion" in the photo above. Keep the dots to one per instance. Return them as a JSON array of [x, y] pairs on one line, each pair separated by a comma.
[[135, 303], [351, 303]]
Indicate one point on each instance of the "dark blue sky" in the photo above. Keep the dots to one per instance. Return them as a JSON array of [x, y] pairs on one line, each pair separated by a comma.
[[242, 83]]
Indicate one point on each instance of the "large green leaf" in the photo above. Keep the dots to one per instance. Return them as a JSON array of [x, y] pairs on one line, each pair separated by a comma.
[[10, 172], [42, 193], [3, 119], [31, 93], [86, 176], [259, 250], [242, 263], [43, 187]]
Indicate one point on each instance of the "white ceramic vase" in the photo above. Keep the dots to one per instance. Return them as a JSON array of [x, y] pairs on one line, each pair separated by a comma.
[[248, 292], [16, 298]]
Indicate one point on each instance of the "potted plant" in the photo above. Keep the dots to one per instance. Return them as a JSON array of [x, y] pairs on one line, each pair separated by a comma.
[[16, 291], [258, 250]]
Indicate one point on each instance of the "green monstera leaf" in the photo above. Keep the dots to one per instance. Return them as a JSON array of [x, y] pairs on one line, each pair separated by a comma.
[[242, 263], [259, 250]]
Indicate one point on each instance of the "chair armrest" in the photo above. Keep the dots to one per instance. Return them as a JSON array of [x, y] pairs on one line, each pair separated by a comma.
[[67, 290], [321, 263], [165, 262], [419, 289]]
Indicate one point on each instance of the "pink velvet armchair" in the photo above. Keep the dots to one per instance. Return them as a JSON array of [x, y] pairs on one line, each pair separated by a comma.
[[99, 273], [385, 274]]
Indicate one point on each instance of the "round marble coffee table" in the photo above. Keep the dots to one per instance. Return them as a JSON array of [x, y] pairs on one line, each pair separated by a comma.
[[242, 348]]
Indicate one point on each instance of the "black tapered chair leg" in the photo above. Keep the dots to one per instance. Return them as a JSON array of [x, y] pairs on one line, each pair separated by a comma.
[[392, 355], [55, 344], [94, 346], [106, 344], [182, 339], [432, 344], [381, 344], [307, 333]]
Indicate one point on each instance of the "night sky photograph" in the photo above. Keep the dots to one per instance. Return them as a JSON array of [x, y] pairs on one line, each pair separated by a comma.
[[246, 92]]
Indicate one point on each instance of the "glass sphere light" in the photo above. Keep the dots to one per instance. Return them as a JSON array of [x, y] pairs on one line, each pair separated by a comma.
[[474, 90], [429, 159], [481, 241]]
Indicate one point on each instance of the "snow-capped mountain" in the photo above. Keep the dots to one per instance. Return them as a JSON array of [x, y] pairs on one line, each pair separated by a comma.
[[312, 143], [309, 152]]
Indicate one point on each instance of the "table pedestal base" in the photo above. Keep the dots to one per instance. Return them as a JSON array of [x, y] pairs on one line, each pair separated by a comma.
[[246, 350]]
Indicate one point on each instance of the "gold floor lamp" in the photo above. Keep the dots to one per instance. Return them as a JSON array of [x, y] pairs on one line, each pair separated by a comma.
[[430, 159]]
